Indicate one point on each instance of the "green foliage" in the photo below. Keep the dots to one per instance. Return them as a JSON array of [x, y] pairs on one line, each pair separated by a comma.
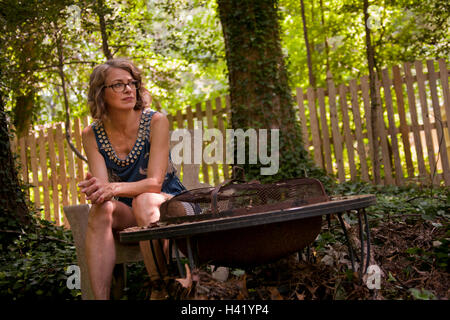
[[12, 195], [401, 31], [422, 294], [33, 265], [427, 202], [177, 44], [138, 282], [180, 46]]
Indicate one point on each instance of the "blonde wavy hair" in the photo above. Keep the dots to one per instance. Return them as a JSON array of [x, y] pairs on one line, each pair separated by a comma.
[[96, 100]]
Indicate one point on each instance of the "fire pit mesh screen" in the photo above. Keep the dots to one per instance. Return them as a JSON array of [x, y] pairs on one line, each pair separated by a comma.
[[235, 199]]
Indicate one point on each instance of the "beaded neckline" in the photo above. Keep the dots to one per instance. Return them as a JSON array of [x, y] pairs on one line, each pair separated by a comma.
[[143, 135]]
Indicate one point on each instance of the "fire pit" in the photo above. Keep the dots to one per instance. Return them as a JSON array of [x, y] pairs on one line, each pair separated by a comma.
[[244, 224]]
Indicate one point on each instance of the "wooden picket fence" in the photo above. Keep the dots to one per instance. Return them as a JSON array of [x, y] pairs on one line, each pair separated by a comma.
[[415, 144]]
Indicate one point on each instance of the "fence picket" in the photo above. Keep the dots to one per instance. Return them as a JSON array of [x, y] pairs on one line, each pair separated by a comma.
[[179, 118], [72, 178], [228, 124], [337, 138], [190, 118], [414, 120], [55, 184], [302, 115], [439, 126], [43, 164], [314, 124], [31, 141], [210, 122], [199, 114], [358, 130], [325, 131], [426, 119], [368, 116], [386, 156], [221, 126], [85, 121], [171, 121], [62, 178], [53, 174], [347, 133], [79, 162], [443, 75], [392, 128], [404, 129]]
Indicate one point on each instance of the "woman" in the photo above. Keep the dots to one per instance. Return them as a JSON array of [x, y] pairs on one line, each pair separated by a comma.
[[131, 174]]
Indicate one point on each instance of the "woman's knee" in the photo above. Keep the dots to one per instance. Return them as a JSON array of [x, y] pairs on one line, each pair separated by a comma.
[[101, 215], [149, 200], [146, 207]]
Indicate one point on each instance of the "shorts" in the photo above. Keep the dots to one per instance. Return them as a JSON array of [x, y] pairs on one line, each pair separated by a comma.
[[171, 185]]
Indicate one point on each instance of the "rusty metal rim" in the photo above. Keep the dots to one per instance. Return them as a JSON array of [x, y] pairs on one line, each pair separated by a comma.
[[221, 224]]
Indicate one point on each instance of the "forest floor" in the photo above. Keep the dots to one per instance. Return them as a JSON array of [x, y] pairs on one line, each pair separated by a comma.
[[402, 251], [410, 241], [410, 238]]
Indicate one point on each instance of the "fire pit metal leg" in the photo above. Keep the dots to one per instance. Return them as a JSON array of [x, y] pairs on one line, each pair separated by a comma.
[[177, 256], [364, 266], [350, 249], [361, 237], [190, 254], [368, 239], [365, 254]]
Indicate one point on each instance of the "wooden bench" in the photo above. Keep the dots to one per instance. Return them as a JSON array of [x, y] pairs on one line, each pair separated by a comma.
[[77, 216]]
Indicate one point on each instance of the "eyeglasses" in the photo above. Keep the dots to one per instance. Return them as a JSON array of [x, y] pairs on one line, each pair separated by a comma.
[[120, 87]]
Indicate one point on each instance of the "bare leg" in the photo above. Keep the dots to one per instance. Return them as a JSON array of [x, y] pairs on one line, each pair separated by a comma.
[[100, 249], [146, 211]]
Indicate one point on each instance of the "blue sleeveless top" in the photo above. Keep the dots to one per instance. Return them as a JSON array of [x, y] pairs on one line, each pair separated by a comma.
[[134, 167]]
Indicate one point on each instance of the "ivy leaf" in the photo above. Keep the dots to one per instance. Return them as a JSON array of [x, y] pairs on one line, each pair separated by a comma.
[[422, 294]]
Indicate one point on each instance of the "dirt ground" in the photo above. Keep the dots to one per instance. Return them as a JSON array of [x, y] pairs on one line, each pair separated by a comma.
[[411, 253]]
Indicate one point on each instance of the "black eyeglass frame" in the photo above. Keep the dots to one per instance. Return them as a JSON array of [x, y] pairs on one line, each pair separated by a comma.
[[135, 83]]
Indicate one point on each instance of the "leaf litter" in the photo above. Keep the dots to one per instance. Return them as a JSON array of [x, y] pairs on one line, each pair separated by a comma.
[[411, 251]]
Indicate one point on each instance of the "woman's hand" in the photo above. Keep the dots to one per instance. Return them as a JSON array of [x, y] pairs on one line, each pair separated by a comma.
[[96, 190]]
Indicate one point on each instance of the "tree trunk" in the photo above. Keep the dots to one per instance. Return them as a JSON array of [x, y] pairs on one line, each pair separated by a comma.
[[259, 91], [23, 112], [325, 41], [13, 205], [24, 101], [370, 52], [59, 48], [101, 19], [312, 79]]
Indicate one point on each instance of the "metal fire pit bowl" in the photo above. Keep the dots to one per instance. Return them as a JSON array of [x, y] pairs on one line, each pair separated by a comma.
[[240, 225]]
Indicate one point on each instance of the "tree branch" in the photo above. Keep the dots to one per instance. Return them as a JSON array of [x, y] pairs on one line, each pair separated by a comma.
[[66, 100], [101, 19]]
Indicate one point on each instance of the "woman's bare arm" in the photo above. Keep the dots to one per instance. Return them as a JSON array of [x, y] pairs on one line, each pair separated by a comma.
[[96, 185], [96, 163], [157, 163]]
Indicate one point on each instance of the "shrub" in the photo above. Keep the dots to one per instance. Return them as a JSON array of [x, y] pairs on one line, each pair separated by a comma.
[[33, 264]]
